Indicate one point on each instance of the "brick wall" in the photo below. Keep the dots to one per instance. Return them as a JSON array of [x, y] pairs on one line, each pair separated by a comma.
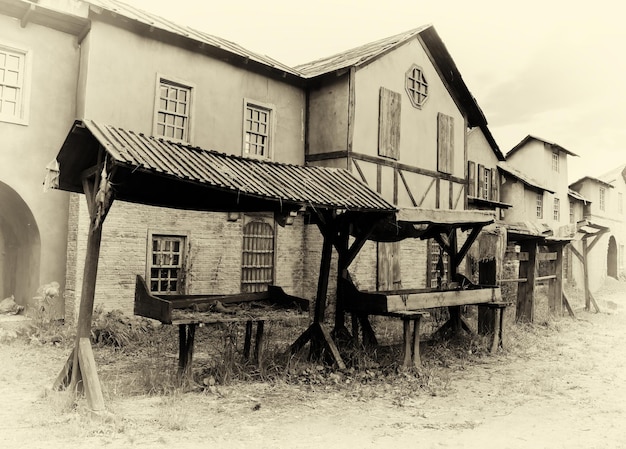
[[214, 252]]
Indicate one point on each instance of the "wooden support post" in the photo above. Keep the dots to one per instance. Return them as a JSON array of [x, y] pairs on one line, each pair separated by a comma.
[[93, 390], [342, 275], [248, 340], [416, 341], [258, 343], [407, 340], [526, 291], [568, 306], [486, 276], [186, 335], [586, 274], [555, 297]]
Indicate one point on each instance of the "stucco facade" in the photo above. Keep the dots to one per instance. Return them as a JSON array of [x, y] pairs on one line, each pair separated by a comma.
[[33, 224]]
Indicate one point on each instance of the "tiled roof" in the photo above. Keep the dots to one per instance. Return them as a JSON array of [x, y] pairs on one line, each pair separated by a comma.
[[577, 196], [303, 185]]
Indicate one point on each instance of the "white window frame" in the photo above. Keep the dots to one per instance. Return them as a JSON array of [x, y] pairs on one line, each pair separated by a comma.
[[539, 205], [174, 234], [23, 85], [555, 161], [556, 211], [602, 202], [270, 127], [176, 82]]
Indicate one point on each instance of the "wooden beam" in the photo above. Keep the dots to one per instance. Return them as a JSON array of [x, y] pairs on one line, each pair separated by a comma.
[[556, 297], [586, 275], [526, 292], [577, 254], [407, 188], [322, 282], [26, 16], [91, 383], [359, 171], [466, 246], [426, 193], [568, 306]]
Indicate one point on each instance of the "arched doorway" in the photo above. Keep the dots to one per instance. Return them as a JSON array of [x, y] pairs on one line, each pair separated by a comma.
[[20, 247], [611, 258]]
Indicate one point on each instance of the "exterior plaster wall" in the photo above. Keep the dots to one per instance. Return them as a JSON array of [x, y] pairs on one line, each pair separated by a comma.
[[418, 139], [115, 95], [328, 117], [26, 149]]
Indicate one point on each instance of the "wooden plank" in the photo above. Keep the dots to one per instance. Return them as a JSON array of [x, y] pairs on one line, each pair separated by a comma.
[[576, 253], [426, 192], [359, 171], [416, 342], [568, 306], [545, 278], [65, 376], [405, 167], [407, 188], [526, 292], [495, 185], [259, 342], [458, 197], [407, 340], [330, 345], [433, 299], [445, 143], [91, 383], [389, 124], [437, 193], [547, 256], [322, 282], [513, 280], [450, 195], [481, 181], [521, 256], [471, 178]]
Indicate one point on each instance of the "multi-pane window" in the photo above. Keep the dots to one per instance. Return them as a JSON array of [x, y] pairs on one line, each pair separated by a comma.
[[437, 265], [166, 261], [486, 183], [602, 198], [416, 86], [539, 201], [172, 114], [556, 213], [12, 73], [555, 161], [257, 127], [571, 212], [257, 269]]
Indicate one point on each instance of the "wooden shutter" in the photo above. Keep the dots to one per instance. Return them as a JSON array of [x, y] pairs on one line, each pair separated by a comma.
[[471, 178], [445, 143], [495, 185], [481, 181], [389, 124], [389, 276]]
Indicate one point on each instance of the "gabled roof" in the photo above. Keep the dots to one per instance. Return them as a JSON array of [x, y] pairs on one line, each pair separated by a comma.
[[577, 184], [149, 170], [613, 175], [358, 56], [525, 179], [529, 138], [128, 16], [365, 54]]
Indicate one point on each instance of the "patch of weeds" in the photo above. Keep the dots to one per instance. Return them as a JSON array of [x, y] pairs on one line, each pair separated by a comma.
[[115, 329]]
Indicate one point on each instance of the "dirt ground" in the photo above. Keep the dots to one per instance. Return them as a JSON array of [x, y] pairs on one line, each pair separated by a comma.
[[563, 387]]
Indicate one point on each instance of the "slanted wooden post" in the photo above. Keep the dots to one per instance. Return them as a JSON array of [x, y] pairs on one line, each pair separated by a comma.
[[586, 274], [79, 373], [526, 290]]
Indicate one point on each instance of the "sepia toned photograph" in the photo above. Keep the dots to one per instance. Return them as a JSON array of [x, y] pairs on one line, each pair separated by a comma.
[[331, 224]]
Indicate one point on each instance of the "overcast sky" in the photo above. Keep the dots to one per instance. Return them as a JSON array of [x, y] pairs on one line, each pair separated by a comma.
[[551, 68]]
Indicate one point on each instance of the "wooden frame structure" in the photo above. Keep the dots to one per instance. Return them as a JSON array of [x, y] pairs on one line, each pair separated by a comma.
[[107, 163]]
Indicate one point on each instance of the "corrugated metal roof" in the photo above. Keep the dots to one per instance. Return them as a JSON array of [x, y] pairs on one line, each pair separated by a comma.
[[356, 56], [305, 185], [155, 21]]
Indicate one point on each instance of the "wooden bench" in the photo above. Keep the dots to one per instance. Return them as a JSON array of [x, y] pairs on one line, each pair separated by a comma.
[[411, 304], [190, 312]]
